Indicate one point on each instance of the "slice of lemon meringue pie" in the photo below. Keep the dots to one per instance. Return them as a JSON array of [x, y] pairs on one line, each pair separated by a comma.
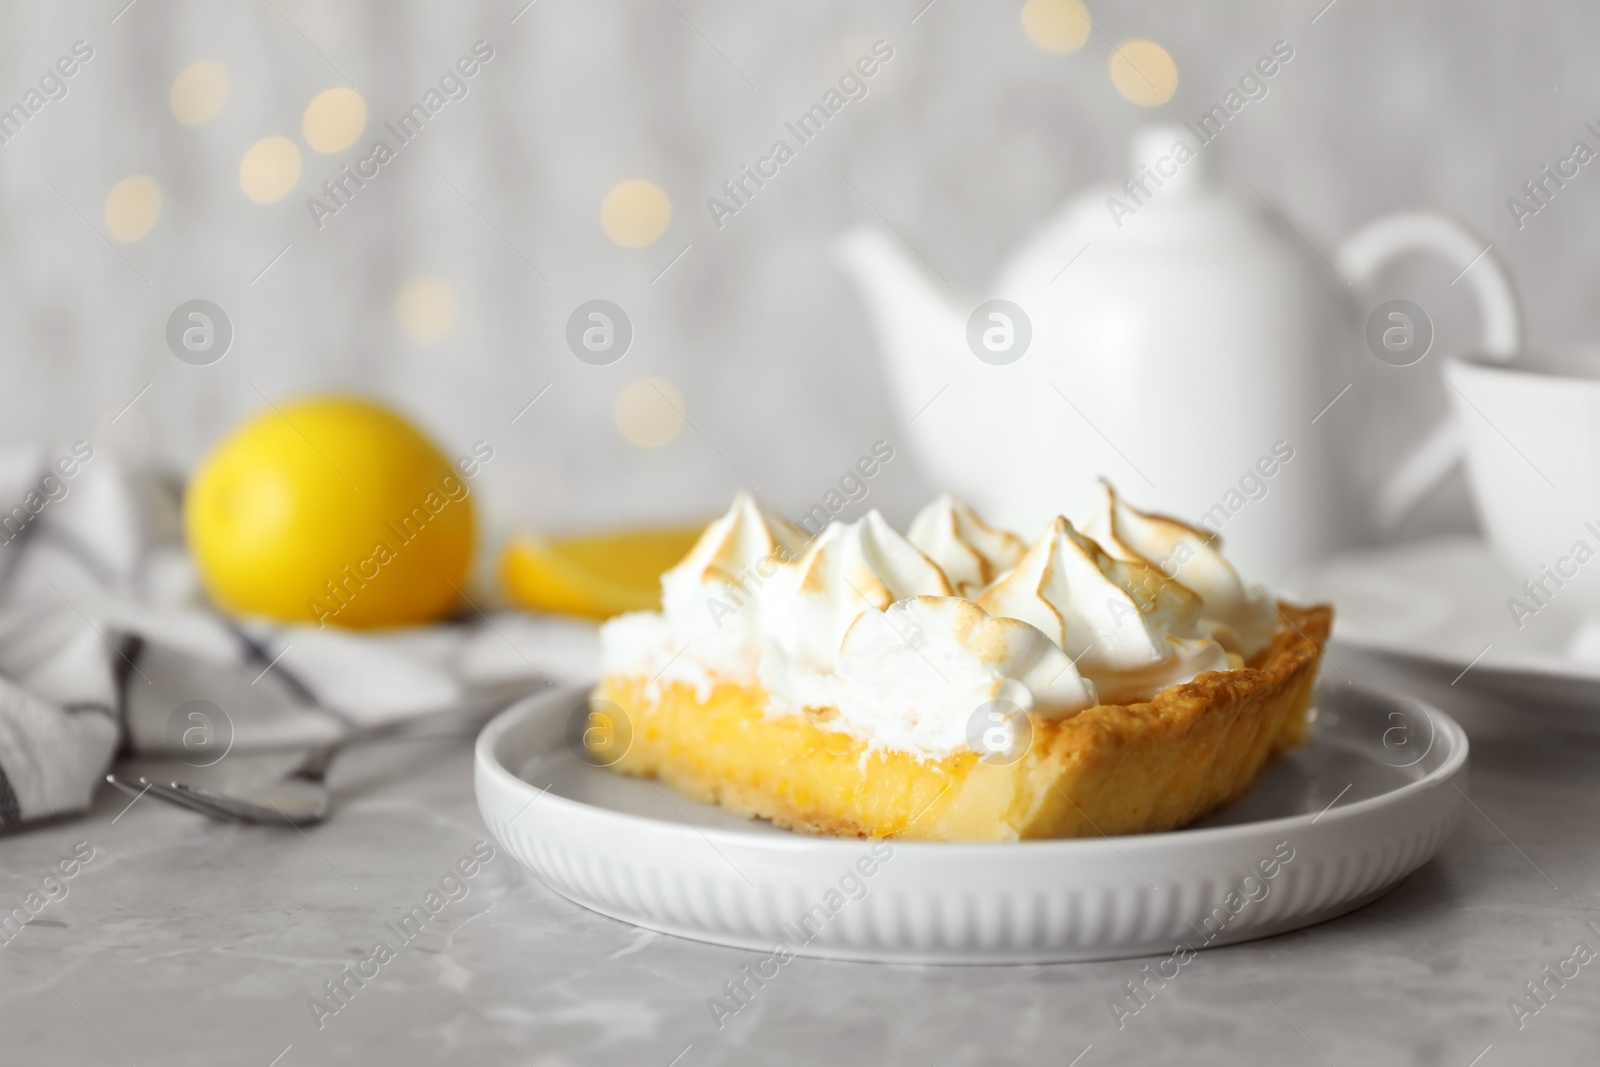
[[956, 683]]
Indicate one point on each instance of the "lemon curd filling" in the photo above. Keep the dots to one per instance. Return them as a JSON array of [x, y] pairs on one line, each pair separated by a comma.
[[856, 690]]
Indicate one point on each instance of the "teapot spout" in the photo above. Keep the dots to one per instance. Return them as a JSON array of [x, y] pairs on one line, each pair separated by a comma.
[[916, 328]]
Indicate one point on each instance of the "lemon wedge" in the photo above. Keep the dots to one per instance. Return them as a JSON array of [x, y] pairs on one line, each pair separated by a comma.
[[595, 575]]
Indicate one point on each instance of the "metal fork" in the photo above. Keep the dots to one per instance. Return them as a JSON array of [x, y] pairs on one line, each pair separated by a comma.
[[300, 797]]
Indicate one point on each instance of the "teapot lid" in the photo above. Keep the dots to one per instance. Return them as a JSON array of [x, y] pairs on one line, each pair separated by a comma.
[[1169, 197]]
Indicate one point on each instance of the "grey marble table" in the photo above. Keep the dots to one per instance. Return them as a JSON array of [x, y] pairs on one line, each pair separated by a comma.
[[183, 941]]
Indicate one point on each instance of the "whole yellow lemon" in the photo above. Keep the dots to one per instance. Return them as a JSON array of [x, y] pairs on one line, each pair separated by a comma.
[[331, 510]]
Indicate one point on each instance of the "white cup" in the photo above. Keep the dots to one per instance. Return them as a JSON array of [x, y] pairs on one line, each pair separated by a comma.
[[1533, 462]]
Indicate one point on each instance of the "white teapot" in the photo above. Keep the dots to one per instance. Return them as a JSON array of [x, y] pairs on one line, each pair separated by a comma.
[[1179, 337]]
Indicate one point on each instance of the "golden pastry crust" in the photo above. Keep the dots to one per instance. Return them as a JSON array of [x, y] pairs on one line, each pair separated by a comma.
[[1112, 769]]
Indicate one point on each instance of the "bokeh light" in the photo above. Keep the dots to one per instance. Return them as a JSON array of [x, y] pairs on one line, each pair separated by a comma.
[[1144, 72], [132, 207], [426, 309], [1056, 25], [199, 92], [649, 412], [334, 119], [636, 213], [269, 170]]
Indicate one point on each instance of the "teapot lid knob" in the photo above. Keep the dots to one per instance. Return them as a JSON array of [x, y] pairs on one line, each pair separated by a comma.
[[1156, 148]]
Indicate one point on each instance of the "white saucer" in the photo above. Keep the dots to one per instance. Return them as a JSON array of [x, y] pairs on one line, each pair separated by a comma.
[[1324, 830], [1440, 606]]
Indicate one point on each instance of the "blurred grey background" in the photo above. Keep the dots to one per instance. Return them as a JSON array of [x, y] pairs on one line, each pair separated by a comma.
[[972, 135]]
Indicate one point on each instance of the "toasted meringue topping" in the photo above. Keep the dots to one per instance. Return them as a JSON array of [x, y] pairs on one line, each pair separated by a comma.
[[850, 569], [741, 538], [891, 633], [712, 600], [969, 551], [913, 677], [1234, 612], [1125, 625]]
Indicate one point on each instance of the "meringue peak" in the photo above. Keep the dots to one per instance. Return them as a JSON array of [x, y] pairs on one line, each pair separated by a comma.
[[872, 560], [850, 569], [713, 598], [1233, 611], [1073, 590], [741, 538], [1122, 622], [969, 551]]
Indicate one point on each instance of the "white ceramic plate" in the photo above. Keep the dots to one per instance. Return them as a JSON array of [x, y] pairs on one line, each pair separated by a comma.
[[1439, 606], [1324, 830]]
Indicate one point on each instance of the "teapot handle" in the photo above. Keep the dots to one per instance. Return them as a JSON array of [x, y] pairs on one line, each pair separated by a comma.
[[1371, 248]]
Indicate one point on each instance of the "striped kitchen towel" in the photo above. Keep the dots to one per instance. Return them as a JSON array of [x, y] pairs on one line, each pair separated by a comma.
[[107, 644]]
